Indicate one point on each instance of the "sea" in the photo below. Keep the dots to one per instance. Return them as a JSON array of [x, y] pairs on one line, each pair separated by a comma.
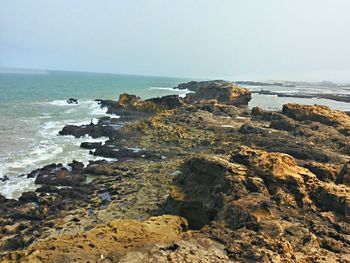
[[33, 109]]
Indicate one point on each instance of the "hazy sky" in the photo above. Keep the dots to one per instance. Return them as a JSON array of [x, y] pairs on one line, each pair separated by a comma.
[[237, 39]]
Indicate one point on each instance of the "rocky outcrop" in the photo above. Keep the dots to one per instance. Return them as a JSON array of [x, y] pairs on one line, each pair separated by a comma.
[[254, 186], [221, 91], [134, 107], [260, 195], [195, 85], [167, 102], [201, 187], [317, 113]]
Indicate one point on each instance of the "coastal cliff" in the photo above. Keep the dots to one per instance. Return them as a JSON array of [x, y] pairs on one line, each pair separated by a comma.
[[198, 179]]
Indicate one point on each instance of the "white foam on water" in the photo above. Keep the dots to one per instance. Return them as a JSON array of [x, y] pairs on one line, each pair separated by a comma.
[[135, 149], [182, 92], [44, 146], [69, 111], [61, 103], [161, 88], [96, 110], [14, 188]]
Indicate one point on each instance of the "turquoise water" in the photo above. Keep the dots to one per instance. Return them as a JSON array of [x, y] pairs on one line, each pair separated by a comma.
[[33, 109]]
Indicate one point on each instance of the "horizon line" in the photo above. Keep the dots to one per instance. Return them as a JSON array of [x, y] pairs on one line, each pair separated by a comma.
[[158, 76], [89, 72]]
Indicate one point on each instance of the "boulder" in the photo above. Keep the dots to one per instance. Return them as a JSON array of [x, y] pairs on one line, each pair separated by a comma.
[[76, 166], [28, 197], [224, 92]]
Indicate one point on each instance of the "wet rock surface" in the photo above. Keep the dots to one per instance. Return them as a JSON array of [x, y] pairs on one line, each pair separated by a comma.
[[191, 181]]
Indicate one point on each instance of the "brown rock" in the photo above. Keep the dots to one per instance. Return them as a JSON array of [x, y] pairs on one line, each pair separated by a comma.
[[188, 250], [324, 172], [344, 175], [322, 114], [223, 92], [280, 172], [332, 197], [262, 114], [106, 242], [199, 194]]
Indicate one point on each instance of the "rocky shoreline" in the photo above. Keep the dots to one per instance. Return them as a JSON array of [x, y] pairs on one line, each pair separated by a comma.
[[198, 179]]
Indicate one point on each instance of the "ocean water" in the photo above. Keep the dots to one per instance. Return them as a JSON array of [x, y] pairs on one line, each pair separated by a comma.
[[33, 109]]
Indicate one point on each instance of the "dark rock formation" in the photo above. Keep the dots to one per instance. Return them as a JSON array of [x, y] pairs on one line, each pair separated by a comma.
[[28, 197], [51, 168], [90, 145], [72, 101], [4, 178], [95, 131], [60, 177], [76, 166]]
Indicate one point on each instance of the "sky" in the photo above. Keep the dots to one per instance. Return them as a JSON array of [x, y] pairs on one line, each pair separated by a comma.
[[232, 39]]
